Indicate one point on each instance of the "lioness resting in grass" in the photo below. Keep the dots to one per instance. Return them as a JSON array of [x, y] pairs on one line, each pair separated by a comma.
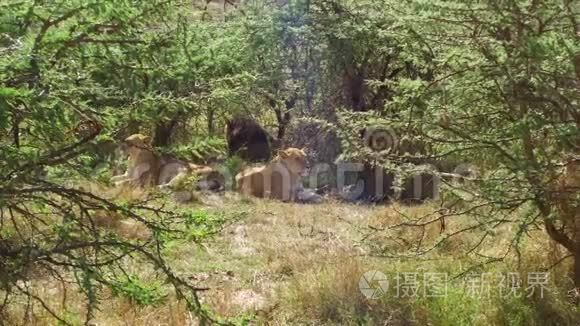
[[146, 168], [143, 164], [279, 179]]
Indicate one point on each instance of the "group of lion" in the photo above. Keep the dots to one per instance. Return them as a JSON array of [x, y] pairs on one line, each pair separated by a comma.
[[279, 178]]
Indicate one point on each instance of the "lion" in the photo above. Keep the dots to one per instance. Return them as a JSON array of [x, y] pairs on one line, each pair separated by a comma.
[[147, 168], [279, 179], [143, 166], [247, 139], [177, 174]]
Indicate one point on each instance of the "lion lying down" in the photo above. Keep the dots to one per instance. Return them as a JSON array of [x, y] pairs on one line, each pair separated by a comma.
[[279, 179], [146, 168]]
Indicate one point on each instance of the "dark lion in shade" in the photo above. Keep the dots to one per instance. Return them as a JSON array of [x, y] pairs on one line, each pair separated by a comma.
[[247, 139]]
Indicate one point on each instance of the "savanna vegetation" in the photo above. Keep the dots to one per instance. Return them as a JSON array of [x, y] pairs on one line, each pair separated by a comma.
[[488, 86]]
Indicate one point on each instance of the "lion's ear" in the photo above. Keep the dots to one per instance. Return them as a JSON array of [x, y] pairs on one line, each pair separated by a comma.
[[147, 140], [304, 149]]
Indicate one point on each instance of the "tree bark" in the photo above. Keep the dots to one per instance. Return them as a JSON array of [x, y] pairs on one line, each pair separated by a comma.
[[577, 269], [283, 118], [16, 130], [210, 122]]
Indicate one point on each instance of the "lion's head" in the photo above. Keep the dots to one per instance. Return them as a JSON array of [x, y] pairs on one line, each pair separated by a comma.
[[138, 140], [135, 143], [294, 159]]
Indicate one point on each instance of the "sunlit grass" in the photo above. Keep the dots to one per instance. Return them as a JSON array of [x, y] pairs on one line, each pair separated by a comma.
[[292, 263]]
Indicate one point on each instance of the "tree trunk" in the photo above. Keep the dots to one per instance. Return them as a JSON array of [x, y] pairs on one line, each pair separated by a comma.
[[574, 215], [16, 130], [284, 117], [577, 269], [210, 122], [354, 89], [283, 120]]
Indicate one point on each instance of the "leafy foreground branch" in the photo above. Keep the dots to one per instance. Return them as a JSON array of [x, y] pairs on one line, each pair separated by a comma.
[[498, 100], [70, 236], [64, 234], [52, 130]]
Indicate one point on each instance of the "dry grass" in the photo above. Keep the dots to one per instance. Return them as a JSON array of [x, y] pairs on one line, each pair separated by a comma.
[[326, 291], [290, 263], [113, 221], [257, 258], [122, 312]]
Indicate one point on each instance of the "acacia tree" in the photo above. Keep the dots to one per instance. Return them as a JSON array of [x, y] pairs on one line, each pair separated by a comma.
[[504, 96], [70, 73], [285, 58], [363, 58]]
